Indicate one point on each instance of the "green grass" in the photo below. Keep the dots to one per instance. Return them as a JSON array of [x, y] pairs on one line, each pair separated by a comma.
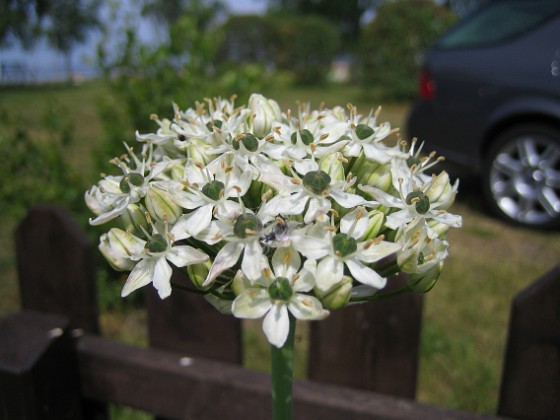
[[466, 314]]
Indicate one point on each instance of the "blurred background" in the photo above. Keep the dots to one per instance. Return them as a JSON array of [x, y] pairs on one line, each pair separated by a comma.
[[78, 78]]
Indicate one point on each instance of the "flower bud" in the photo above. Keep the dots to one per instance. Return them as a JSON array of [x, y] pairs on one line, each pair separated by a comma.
[[240, 283], [118, 246], [264, 112], [161, 206], [337, 296], [198, 272], [134, 220], [332, 166], [373, 173], [380, 178], [376, 219], [196, 150], [423, 282], [442, 191]]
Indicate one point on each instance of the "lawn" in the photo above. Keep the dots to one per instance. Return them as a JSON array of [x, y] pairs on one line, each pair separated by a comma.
[[466, 314]]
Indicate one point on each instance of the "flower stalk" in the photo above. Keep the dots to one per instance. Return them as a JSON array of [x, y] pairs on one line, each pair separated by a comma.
[[282, 361]]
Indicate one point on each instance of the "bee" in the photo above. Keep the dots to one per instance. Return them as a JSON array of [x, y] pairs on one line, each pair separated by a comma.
[[277, 234]]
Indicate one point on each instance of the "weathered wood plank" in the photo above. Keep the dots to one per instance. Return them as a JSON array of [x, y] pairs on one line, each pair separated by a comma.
[[166, 384], [187, 323], [531, 371], [55, 267], [38, 368], [373, 346]]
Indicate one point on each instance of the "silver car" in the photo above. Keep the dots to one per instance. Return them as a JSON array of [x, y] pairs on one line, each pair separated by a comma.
[[489, 102]]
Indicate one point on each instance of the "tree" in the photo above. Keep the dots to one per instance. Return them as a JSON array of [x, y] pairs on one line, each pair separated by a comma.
[[393, 43], [346, 15], [20, 19], [69, 23]]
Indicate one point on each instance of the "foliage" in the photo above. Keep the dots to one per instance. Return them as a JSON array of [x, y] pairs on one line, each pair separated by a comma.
[[148, 79], [306, 45], [303, 45], [248, 38], [393, 44], [19, 19], [36, 171], [69, 24], [346, 15]]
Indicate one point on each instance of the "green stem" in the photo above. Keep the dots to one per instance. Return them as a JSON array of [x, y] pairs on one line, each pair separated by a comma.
[[379, 296], [282, 375]]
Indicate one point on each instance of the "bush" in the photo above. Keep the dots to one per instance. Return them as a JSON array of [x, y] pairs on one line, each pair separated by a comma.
[[35, 171], [248, 39], [306, 45], [393, 44]]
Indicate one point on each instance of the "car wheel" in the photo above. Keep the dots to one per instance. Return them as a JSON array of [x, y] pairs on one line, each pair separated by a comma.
[[521, 176]]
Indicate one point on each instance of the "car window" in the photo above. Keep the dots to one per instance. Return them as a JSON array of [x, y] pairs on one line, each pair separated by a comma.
[[498, 22]]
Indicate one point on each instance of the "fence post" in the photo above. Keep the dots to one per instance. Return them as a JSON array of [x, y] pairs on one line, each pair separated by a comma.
[[38, 368], [57, 274], [186, 322], [372, 346], [531, 370], [55, 267]]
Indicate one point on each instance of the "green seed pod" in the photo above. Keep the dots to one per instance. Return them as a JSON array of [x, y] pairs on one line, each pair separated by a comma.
[[413, 161], [132, 178], [363, 131], [214, 123], [246, 223], [213, 190], [250, 142], [280, 289], [316, 181], [344, 244], [420, 200], [157, 244], [306, 137]]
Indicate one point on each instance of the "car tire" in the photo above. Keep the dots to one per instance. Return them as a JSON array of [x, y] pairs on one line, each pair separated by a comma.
[[521, 176]]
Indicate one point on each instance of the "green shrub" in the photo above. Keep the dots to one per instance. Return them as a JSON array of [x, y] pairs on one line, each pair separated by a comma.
[[393, 44], [306, 45], [247, 39], [35, 170]]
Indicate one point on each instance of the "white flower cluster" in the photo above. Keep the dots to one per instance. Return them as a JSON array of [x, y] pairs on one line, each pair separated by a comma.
[[271, 212]]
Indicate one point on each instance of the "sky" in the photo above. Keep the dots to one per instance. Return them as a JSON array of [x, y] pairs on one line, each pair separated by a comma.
[[42, 63]]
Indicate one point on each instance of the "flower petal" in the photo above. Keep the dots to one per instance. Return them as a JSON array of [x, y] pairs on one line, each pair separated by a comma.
[[252, 256], [365, 275], [251, 303], [307, 307], [276, 324], [329, 272], [183, 255], [140, 276], [161, 277], [226, 258]]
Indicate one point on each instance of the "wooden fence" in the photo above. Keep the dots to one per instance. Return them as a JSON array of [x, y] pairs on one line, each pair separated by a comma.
[[55, 365]]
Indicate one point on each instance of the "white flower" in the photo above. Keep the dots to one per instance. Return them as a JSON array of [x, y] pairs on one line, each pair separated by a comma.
[[242, 235], [264, 112], [277, 291], [208, 193], [311, 194], [334, 251], [428, 201], [153, 267], [113, 194]]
